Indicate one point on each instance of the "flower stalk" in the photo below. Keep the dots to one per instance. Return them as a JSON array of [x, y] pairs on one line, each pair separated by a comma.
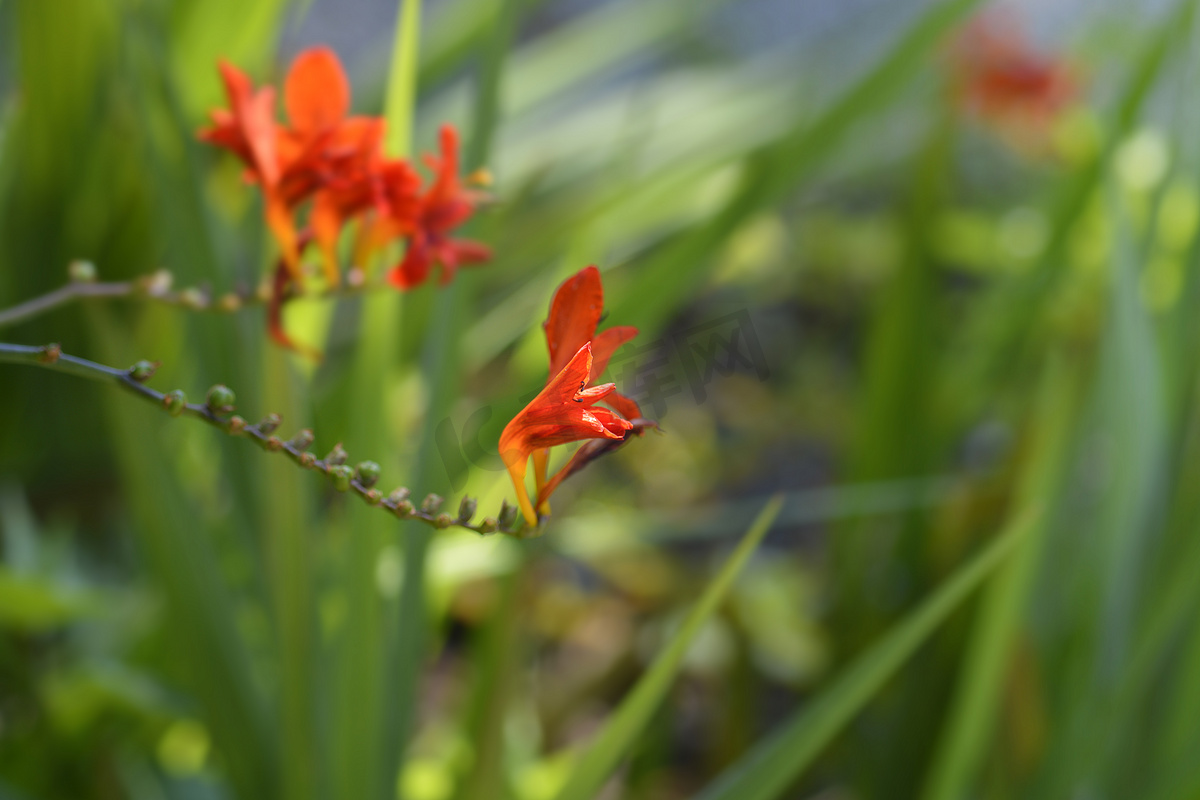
[[157, 287], [217, 412]]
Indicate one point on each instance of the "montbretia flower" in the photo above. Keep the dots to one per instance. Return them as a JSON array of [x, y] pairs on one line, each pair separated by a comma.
[[575, 311], [1001, 79], [563, 412], [334, 165], [444, 207]]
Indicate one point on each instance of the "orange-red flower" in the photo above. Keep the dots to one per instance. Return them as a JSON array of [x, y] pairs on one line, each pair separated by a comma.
[[335, 163], [562, 412], [439, 211], [1000, 78], [575, 311]]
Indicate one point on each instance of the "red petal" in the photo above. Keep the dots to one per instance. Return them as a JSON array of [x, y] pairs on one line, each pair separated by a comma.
[[414, 269], [624, 406], [606, 343], [574, 314], [317, 94]]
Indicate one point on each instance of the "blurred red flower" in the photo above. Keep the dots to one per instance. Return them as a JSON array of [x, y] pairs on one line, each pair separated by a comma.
[[1000, 78], [337, 162]]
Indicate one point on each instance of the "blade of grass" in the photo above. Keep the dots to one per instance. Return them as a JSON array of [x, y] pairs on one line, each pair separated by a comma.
[[774, 170], [987, 659], [776, 762], [622, 729]]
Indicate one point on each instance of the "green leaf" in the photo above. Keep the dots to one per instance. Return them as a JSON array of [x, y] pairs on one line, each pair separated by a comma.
[[623, 728], [770, 768]]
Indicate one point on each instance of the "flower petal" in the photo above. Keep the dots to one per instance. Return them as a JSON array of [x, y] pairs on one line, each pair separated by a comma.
[[575, 312], [317, 94]]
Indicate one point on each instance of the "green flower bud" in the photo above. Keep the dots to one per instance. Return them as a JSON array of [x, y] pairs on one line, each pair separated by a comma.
[[50, 353], [443, 521], [192, 297], [367, 473], [466, 509], [404, 509], [507, 515], [373, 497], [307, 460], [174, 402], [337, 456], [399, 494], [143, 370], [269, 423], [431, 503], [489, 525], [220, 399], [273, 444], [80, 271], [302, 440], [236, 424], [341, 475]]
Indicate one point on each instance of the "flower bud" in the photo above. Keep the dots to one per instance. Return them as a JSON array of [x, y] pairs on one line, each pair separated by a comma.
[[236, 424], [174, 402], [489, 525], [341, 475], [220, 399], [431, 503], [80, 271], [466, 509], [507, 515], [443, 521], [399, 494], [404, 509], [367, 473], [273, 444], [156, 283], [50, 353], [229, 302], [192, 297], [143, 370], [307, 460], [337, 456], [373, 497], [269, 423], [302, 440]]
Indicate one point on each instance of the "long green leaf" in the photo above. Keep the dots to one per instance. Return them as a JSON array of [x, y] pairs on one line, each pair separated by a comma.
[[977, 695], [770, 768], [623, 728]]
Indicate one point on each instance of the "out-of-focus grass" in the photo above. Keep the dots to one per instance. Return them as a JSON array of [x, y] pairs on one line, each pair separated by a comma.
[[979, 405]]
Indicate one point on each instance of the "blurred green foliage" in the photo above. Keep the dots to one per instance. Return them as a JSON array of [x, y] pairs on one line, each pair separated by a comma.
[[976, 393]]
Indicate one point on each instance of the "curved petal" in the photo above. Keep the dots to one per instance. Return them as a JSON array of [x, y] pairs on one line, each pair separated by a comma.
[[606, 343], [574, 314], [317, 94]]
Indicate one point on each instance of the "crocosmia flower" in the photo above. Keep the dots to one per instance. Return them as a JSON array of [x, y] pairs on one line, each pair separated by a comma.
[[444, 207], [575, 312], [1001, 79], [332, 165], [562, 412]]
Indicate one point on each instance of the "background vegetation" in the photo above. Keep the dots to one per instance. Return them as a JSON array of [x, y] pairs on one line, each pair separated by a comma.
[[975, 393]]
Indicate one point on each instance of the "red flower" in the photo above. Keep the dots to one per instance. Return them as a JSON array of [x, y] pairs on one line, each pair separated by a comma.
[[1001, 79], [438, 212], [575, 311], [336, 161], [562, 412]]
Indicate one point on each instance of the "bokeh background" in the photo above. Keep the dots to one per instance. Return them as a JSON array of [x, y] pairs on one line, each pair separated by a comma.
[[961, 343]]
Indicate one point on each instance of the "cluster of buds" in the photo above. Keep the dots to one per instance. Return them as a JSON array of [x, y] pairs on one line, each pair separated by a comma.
[[218, 408]]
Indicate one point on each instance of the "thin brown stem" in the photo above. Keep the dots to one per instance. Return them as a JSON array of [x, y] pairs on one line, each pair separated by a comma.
[[157, 287]]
